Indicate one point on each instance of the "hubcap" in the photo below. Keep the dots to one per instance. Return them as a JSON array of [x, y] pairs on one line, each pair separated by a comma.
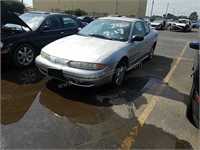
[[119, 75], [151, 54], [25, 56]]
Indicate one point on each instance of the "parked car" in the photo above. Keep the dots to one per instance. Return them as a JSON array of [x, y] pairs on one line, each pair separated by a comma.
[[197, 24], [100, 53], [169, 22], [193, 102], [181, 25], [85, 19], [147, 20], [23, 37], [159, 24]]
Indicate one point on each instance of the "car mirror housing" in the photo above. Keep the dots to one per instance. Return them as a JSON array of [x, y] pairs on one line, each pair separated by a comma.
[[195, 45], [46, 28], [137, 38]]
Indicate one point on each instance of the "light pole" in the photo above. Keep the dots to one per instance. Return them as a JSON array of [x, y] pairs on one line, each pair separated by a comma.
[[152, 8], [166, 11], [173, 11], [116, 11]]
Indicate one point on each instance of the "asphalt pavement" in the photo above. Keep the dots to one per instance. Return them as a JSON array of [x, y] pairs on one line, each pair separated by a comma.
[[147, 112]]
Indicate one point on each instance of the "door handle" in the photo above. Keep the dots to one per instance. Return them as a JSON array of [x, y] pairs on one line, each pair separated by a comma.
[[62, 32]]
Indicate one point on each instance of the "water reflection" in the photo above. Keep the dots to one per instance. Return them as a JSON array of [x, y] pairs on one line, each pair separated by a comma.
[[19, 87]]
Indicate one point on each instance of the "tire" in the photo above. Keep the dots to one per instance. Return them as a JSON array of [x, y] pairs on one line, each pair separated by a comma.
[[24, 55], [151, 53], [119, 73], [189, 103]]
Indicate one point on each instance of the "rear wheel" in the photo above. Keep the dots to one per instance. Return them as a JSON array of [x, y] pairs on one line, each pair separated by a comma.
[[24, 55], [118, 76]]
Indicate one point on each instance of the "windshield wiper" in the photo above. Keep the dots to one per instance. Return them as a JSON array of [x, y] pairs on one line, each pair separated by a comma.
[[99, 36]]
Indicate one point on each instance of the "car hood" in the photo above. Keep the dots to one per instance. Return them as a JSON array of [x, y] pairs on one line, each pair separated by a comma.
[[155, 23], [82, 48], [180, 24], [7, 16]]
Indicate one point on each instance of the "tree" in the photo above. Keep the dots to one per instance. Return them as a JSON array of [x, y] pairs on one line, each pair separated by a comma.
[[193, 16], [169, 16], [15, 6], [77, 12]]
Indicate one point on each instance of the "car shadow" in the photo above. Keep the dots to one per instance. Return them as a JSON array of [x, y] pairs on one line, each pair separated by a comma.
[[63, 99]]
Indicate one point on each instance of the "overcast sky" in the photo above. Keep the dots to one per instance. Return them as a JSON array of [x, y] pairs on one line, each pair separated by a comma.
[[182, 7]]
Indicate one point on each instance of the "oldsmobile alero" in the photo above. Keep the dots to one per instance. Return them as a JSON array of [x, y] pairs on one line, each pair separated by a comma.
[[100, 53]]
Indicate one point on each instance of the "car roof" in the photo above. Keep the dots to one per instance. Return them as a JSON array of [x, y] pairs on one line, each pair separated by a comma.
[[47, 13], [121, 19]]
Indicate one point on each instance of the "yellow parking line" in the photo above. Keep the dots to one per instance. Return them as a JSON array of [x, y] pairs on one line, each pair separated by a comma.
[[167, 78], [128, 141]]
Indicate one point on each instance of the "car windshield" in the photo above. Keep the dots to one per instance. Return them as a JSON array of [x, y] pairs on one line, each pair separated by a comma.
[[182, 21], [33, 20], [107, 29]]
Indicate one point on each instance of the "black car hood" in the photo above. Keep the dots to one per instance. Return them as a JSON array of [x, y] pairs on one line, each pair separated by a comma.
[[7, 16]]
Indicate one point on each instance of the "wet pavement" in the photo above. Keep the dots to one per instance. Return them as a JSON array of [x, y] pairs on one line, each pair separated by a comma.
[[38, 112]]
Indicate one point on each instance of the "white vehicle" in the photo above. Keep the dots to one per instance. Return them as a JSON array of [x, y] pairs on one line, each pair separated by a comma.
[[182, 25]]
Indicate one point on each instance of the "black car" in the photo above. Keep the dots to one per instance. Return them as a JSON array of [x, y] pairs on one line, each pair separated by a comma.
[[23, 37], [193, 103], [85, 19]]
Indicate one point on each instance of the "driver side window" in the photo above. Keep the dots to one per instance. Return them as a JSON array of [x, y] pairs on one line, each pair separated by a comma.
[[138, 29], [53, 23]]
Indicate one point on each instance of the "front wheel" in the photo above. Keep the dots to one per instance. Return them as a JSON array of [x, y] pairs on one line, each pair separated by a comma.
[[118, 76], [151, 53], [24, 55]]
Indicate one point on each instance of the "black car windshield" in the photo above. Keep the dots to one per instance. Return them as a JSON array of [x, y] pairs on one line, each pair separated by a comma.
[[33, 20], [107, 29]]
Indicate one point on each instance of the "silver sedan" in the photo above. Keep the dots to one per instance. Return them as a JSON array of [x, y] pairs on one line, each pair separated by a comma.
[[100, 53]]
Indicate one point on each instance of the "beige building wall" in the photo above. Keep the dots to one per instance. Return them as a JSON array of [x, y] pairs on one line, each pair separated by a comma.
[[106, 7]]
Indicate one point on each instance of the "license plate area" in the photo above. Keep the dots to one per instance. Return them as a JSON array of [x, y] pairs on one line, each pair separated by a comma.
[[55, 73]]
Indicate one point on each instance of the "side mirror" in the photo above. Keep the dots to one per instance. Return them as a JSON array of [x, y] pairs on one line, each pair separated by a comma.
[[195, 45], [84, 24], [46, 28], [137, 38], [79, 29]]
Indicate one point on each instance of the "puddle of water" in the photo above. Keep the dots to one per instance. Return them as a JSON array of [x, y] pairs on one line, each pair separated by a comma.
[[19, 87], [76, 111], [90, 106]]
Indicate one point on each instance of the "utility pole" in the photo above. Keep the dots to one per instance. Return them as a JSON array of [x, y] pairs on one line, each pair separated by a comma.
[[22, 1], [152, 8], [116, 11], [166, 10]]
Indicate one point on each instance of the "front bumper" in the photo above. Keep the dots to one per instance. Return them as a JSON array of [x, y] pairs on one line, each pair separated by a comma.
[[157, 27], [74, 76]]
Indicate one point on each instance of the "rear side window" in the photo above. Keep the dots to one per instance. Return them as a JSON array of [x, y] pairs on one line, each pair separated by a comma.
[[69, 22]]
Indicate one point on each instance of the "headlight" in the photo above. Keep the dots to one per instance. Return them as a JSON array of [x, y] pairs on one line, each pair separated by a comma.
[[1, 44], [86, 65], [45, 55]]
